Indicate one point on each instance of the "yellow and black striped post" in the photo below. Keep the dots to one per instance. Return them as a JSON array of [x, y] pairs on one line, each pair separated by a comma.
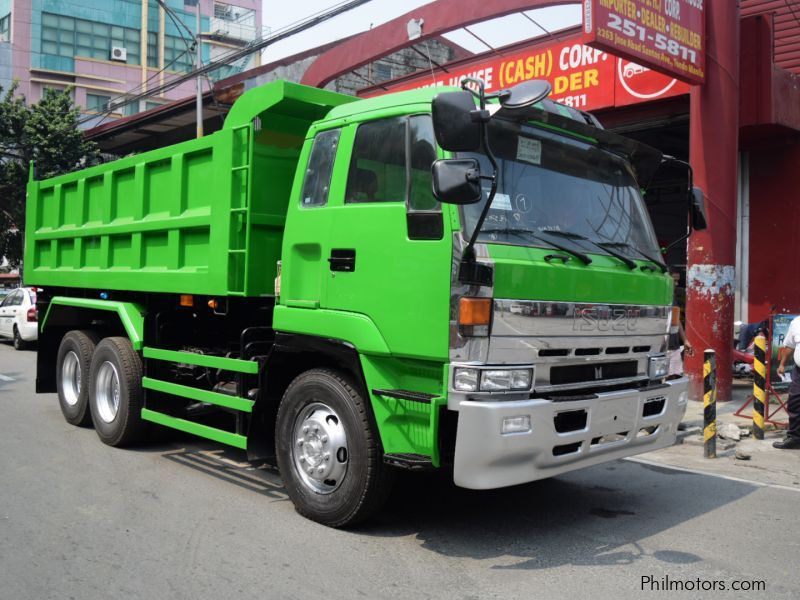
[[710, 404], [759, 385]]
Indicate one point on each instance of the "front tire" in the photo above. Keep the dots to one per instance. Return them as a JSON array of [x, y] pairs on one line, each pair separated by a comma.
[[115, 392], [73, 365], [328, 450]]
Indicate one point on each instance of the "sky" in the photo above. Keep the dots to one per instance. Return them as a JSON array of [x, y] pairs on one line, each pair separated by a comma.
[[498, 32]]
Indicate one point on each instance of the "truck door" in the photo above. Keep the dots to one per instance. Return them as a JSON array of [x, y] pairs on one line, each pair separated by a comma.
[[389, 248]]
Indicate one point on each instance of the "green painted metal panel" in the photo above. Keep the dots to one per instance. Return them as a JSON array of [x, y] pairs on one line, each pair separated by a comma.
[[406, 426], [196, 394], [202, 217], [357, 329], [202, 360], [284, 98], [211, 433], [393, 272], [523, 273], [130, 313]]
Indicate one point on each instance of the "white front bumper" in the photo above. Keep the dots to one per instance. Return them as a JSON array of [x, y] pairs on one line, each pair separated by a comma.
[[486, 459]]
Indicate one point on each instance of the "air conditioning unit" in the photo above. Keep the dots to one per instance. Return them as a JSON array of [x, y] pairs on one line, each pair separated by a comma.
[[119, 54]]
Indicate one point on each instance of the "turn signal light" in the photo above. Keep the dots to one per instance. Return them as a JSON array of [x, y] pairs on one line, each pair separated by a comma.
[[187, 300], [474, 311], [675, 319]]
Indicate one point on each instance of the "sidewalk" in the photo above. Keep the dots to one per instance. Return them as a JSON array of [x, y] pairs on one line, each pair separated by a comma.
[[765, 464]]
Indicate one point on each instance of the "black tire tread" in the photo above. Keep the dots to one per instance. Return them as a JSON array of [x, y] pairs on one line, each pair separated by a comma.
[[133, 428], [379, 477], [19, 343], [86, 340]]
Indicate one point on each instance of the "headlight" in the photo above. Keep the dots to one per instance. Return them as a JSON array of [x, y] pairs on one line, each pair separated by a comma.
[[466, 380], [659, 367], [504, 380]]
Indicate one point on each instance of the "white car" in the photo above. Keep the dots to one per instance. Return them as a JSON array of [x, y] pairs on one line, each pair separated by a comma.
[[18, 317]]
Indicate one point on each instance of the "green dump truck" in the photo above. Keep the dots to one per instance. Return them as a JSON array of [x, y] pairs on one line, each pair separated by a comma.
[[425, 280]]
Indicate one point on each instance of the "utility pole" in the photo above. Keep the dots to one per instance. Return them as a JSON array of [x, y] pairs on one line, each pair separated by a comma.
[[199, 65], [714, 154]]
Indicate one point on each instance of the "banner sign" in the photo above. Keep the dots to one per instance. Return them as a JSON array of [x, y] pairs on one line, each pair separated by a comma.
[[665, 35], [780, 325], [582, 77]]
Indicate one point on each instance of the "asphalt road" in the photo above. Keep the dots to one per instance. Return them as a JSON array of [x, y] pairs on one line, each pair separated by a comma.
[[187, 519]]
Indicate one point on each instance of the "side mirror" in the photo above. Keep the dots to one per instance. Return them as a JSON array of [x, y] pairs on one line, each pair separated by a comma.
[[457, 181], [452, 122], [525, 94], [697, 209]]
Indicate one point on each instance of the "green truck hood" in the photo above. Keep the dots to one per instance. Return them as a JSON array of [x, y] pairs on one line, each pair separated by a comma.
[[523, 273]]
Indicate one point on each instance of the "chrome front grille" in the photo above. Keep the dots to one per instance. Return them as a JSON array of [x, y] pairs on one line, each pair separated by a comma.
[[587, 340]]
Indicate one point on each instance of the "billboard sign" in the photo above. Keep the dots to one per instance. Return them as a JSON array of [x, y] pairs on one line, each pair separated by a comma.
[[664, 35], [582, 77]]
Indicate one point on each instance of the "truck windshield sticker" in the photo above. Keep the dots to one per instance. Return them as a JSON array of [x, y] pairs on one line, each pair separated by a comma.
[[529, 150], [501, 201]]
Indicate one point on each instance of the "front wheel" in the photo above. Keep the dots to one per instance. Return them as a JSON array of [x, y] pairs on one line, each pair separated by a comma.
[[328, 450]]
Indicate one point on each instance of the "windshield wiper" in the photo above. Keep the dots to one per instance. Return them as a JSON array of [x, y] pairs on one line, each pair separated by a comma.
[[536, 236], [647, 257], [570, 235]]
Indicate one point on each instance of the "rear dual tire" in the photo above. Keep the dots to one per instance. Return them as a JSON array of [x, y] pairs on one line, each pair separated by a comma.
[[100, 382], [73, 365], [115, 392]]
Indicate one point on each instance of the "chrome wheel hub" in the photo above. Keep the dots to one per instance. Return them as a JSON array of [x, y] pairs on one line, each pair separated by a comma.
[[71, 378], [319, 450], [107, 392]]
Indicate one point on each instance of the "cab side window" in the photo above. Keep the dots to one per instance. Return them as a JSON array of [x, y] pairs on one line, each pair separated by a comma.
[[317, 181], [7, 300], [422, 154], [378, 163]]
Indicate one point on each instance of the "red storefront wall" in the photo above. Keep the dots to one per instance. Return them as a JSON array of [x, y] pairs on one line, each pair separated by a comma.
[[774, 229]]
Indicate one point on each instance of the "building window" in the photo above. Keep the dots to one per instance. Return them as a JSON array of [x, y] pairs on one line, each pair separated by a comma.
[[383, 72], [148, 105], [152, 50], [177, 56], [97, 103], [235, 14], [5, 28], [131, 108], [69, 37], [57, 90]]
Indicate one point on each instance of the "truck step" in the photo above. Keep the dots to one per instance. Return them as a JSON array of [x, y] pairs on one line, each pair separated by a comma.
[[211, 433], [406, 395], [409, 462]]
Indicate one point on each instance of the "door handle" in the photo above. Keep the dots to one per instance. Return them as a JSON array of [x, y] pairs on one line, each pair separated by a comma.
[[343, 259]]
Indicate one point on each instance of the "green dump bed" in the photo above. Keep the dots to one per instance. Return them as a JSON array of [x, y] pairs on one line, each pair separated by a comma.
[[201, 217]]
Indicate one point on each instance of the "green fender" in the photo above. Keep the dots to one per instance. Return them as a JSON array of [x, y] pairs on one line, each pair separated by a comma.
[[355, 328], [130, 314]]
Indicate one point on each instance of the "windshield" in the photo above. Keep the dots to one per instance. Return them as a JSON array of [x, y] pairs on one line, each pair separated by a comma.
[[549, 183]]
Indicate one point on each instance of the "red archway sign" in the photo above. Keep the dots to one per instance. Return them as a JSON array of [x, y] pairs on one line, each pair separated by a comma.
[[663, 35]]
